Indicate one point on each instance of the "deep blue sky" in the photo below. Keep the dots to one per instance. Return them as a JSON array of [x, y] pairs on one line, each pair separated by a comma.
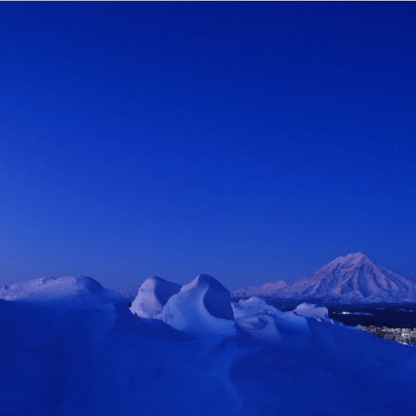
[[249, 141]]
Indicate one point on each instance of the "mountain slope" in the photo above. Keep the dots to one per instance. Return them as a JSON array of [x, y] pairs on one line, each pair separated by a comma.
[[354, 278], [265, 290]]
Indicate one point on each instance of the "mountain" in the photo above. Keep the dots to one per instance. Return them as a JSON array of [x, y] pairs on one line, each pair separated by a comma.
[[266, 290], [354, 278]]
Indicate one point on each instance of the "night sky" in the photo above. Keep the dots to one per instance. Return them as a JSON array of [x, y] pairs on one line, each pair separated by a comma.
[[249, 141]]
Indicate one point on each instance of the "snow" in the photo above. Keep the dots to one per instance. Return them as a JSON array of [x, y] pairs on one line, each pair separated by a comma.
[[271, 326], [65, 290], [267, 289], [202, 308], [356, 278], [353, 278], [69, 346], [152, 297], [253, 305], [311, 311]]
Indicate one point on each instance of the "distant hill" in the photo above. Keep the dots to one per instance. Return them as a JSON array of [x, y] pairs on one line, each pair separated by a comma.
[[354, 278], [268, 289]]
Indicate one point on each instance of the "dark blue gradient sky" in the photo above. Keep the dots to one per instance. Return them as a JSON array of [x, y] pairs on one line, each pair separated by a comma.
[[249, 141]]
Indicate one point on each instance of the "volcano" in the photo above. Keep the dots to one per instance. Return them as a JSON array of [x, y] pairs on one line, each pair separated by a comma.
[[354, 278]]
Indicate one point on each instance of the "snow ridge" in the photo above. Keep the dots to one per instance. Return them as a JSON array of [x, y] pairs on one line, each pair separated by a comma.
[[265, 290], [200, 308], [152, 296], [63, 289]]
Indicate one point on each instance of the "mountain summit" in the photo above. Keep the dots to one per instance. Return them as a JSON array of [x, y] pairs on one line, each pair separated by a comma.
[[354, 278]]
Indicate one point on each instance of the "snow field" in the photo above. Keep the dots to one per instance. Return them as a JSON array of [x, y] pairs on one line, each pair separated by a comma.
[[69, 346]]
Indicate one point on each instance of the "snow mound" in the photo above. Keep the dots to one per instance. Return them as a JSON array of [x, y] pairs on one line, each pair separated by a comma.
[[201, 308], [69, 288], [271, 326], [253, 305], [311, 311], [152, 297]]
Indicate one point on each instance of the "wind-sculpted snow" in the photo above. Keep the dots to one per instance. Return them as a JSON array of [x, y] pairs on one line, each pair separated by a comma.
[[66, 290], [70, 347], [202, 308], [311, 311], [271, 326], [250, 306], [153, 296]]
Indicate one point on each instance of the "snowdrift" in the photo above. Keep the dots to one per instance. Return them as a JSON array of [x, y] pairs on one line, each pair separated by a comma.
[[69, 346], [201, 308], [152, 297]]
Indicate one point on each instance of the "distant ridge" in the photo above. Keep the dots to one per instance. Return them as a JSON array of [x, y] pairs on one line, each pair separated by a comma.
[[354, 278], [265, 290]]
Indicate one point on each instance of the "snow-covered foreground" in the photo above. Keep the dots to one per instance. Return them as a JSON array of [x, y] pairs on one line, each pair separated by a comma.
[[70, 347]]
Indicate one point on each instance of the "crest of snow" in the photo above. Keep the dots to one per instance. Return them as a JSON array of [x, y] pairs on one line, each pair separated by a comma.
[[311, 311], [201, 308], [269, 325], [152, 297], [62, 289], [66, 295], [253, 305]]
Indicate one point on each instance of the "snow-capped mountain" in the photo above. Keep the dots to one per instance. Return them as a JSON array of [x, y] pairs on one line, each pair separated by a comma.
[[354, 278], [267, 289]]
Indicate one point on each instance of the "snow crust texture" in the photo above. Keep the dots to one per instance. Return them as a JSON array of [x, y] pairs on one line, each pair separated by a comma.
[[71, 347], [354, 278]]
